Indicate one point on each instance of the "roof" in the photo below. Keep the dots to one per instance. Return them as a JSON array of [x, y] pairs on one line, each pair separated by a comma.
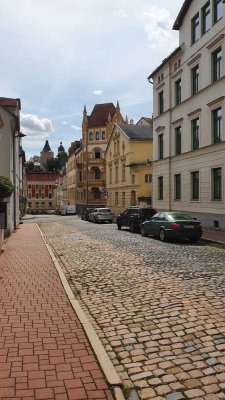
[[164, 62], [8, 102], [46, 147], [149, 120], [100, 113], [137, 132], [177, 24]]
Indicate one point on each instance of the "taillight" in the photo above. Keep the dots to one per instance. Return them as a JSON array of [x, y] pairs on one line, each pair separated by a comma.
[[175, 227], [198, 227]]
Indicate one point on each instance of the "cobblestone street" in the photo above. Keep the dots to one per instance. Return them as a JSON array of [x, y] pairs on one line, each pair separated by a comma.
[[158, 308]]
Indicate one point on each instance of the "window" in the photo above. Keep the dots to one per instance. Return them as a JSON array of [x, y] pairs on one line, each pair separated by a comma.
[[97, 153], [195, 133], [97, 173], [161, 102], [29, 204], [110, 175], [123, 199], [116, 174], [160, 145], [123, 173], [103, 135], [195, 79], [50, 204], [217, 10], [195, 29], [80, 176], [148, 178], [178, 140], [96, 193], [217, 125], [116, 199], [50, 195], [29, 186], [37, 195], [97, 135], [90, 136], [133, 198], [178, 92], [160, 187], [195, 185], [133, 179], [217, 64], [177, 183], [206, 19], [217, 184]]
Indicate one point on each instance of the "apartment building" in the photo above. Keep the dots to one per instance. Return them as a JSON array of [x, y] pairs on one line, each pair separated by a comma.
[[128, 166], [188, 116], [96, 131], [40, 191]]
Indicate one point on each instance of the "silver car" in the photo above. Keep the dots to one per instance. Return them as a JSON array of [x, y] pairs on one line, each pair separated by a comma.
[[101, 214]]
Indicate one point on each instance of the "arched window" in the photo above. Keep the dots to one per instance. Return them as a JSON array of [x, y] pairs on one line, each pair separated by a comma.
[[97, 173], [90, 136], [103, 135], [97, 135], [97, 153], [96, 193]]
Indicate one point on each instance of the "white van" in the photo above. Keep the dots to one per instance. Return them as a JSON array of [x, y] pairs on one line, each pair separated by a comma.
[[69, 210]]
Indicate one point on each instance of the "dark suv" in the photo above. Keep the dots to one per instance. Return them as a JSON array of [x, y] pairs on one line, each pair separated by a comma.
[[85, 213], [133, 217]]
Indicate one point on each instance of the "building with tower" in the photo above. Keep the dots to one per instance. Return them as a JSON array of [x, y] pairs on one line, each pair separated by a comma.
[[96, 131], [46, 154]]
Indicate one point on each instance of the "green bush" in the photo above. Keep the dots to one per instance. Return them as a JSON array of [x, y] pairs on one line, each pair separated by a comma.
[[6, 187], [6, 233]]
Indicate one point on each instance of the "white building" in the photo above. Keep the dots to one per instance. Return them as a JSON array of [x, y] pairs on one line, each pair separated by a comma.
[[189, 118], [10, 156]]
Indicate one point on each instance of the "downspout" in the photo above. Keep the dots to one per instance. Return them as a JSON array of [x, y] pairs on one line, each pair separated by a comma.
[[170, 134]]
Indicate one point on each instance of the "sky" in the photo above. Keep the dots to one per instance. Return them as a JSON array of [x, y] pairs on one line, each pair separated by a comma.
[[59, 55]]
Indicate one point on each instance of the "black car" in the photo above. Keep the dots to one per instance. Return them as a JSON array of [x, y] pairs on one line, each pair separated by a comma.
[[133, 217], [85, 213]]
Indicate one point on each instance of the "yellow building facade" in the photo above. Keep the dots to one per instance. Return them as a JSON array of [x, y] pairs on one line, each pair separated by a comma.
[[128, 167]]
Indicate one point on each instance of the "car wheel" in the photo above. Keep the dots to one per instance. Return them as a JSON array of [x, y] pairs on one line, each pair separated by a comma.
[[95, 220], [143, 231], [162, 235], [119, 227]]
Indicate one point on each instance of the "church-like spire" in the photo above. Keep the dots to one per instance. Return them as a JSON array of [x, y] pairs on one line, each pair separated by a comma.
[[117, 105], [126, 120], [46, 147]]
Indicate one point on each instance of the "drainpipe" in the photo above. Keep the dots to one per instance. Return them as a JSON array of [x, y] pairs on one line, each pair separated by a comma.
[[14, 179]]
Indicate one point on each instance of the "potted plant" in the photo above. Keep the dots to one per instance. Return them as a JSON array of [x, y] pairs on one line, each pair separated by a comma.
[[6, 188]]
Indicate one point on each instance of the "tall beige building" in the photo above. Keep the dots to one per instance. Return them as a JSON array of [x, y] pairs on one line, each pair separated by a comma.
[[188, 120]]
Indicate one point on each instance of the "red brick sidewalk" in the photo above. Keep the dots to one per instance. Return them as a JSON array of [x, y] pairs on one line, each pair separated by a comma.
[[44, 353]]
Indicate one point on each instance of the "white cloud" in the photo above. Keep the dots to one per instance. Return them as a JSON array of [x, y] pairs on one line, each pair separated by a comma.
[[77, 128], [121, 13], [158, 27], [32, 125], [64, 122], [98, 92]]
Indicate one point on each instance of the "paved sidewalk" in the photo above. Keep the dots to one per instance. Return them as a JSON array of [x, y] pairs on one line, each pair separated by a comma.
[[216, 235], [44, 352]]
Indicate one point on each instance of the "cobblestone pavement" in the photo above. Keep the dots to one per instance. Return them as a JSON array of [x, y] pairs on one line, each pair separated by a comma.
[[158, 308]]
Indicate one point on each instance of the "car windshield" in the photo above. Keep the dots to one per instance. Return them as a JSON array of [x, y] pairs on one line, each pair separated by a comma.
[[179, 217], [104, 210]]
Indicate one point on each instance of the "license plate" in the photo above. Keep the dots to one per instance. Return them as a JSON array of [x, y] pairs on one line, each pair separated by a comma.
[[188, 226]]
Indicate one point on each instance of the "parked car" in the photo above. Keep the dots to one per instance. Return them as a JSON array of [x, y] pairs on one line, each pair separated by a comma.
[[172, 225], [101, 214], [85, 213], [58, 211], [69, 210], [133, 217]]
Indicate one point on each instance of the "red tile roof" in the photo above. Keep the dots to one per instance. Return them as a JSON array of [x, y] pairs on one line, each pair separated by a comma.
[[100, 114]]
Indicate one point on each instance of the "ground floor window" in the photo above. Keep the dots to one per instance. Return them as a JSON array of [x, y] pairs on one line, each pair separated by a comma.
[[97, 193], [177, 183], [217, 184], [133, 198], [160, 187], [195, 185]]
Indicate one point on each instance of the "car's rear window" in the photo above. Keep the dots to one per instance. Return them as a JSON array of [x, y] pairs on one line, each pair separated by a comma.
[[104, 210], [180, 217]]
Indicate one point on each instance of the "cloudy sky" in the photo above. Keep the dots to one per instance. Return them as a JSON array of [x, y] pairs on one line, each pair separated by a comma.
[[57, 55]]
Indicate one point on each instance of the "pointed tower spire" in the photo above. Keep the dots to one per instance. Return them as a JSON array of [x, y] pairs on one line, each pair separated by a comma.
[[126, 120], [109, 118], [117, 105], [85, 110]]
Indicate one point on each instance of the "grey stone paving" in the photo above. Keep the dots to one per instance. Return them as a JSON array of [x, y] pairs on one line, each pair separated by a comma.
[[158, 308]]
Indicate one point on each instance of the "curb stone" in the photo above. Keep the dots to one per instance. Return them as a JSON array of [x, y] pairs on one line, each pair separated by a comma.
[[107, 367]]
